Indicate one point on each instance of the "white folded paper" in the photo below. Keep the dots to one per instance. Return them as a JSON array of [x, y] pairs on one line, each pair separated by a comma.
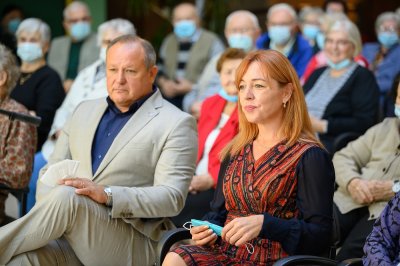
[[57, 171]]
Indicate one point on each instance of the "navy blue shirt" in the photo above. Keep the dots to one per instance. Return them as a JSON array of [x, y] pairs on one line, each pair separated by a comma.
[[110, 125]]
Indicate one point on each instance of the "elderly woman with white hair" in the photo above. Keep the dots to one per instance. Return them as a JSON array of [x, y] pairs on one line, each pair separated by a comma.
[[384, 56], [343, 96], [17, 139], [39, 87], [89, 84]]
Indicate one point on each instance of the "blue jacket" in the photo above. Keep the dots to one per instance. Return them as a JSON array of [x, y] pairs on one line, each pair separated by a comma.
[[388, 68], [299, 56]]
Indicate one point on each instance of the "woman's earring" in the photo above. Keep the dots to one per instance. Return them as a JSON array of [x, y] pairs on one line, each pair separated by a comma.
[[284, 104]]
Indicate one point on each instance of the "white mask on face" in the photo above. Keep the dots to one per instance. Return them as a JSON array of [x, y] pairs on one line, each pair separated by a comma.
[[29, 51]]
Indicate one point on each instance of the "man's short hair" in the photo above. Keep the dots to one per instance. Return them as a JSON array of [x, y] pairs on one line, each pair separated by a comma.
[[149, 52]]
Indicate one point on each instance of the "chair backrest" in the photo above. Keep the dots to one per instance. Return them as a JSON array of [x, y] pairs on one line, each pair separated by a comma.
[[168, 239], [20, 194], [305, 260]]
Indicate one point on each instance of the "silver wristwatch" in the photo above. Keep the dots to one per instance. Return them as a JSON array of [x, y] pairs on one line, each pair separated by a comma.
[[108, 192], [396, 186]]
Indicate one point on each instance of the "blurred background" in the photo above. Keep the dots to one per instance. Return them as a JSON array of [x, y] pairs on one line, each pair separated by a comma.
[[152, 17]]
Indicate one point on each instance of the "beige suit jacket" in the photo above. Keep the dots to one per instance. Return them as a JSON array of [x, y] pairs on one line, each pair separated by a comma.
[[149, 165], [373, 156]]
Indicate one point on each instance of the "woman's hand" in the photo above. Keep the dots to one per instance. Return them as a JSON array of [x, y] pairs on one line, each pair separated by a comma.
[[86, 187], [203, 235], [241, 230], [201, 183]]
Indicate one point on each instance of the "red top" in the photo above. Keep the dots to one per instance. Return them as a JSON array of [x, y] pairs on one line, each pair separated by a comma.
[[210, 115]]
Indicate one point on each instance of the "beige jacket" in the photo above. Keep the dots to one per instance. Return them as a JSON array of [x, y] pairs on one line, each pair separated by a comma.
[[374, 155], [149, 165]]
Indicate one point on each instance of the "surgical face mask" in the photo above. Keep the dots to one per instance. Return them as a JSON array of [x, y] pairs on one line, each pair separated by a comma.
[[185, 29], [397, 110], [103, 53], [227, 97], [80, 30], [342, 64], [388, 39], [310, 31], [13, 25], [240, 41], [320, 40], [29, 51], [279, 34]]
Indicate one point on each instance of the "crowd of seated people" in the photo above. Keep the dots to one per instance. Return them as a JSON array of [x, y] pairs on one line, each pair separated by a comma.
[[269, 110], [217, 125]]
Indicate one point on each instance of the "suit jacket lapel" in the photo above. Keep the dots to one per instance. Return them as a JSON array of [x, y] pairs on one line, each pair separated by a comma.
[[92, 123], [143, 115]]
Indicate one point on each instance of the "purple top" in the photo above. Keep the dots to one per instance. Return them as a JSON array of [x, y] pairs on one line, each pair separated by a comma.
[[382, 246]]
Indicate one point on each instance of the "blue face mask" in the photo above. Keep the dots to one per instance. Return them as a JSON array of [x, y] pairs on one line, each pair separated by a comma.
[[240, 41], [13, 25], [29, 51], [80, 30], [397, 110], [342, 64], [388, 39], [184, 29], [227, 97], [310, 31], [320, 39], [279, 35]]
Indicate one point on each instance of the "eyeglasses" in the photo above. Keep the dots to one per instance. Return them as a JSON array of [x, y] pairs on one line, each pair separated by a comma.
[[240, 30], [76, 20], [390, 28], [340, 43]]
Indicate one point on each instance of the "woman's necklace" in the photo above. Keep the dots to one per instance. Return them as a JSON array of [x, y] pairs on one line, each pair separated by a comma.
[[24, 77]]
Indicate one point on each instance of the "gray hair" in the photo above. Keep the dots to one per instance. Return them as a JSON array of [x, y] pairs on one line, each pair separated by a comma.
[[149, 52], [327, 20], [118, 25], [282, 6], [307, 10], [33, 25], [252, 17], [74, 6], [387, 16], [352, 32], [8, 64]]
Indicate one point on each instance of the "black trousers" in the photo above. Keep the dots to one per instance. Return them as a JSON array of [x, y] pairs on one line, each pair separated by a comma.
[[354, 229], [196, 206]]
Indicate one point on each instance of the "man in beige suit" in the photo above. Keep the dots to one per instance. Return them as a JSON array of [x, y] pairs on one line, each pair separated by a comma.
[[137, 155]]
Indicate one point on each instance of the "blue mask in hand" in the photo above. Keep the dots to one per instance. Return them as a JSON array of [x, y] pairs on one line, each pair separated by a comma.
[[80, 30], [227, 97], [342, 64], [13, 25], [29, 51], [388, 39], [240, 41], [184, 29]]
